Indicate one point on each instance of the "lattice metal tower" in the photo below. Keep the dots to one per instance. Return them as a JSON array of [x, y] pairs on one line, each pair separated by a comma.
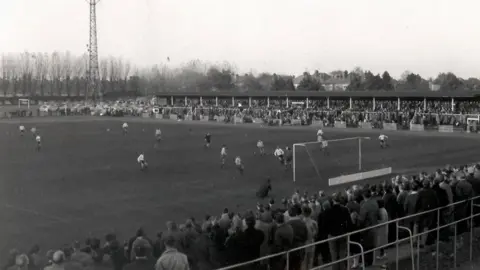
[[94, 88]]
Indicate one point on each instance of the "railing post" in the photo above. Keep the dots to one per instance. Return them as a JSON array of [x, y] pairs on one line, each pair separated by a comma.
[[396, 247], [288, 260], [438, 239], [471, 228], [348, 251], [455, 246]]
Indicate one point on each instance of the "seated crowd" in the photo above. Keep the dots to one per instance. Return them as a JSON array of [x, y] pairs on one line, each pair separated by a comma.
[[275, 227]]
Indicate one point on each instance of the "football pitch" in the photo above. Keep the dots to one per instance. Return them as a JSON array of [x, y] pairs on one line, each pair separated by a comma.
[[86, 182]]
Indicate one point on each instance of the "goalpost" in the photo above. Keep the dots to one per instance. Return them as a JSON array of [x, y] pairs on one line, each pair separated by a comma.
[[355, 173], [472, 123], [23, 101]]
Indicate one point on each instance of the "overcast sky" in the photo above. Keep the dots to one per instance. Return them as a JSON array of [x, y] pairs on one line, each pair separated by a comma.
[[283, 36]]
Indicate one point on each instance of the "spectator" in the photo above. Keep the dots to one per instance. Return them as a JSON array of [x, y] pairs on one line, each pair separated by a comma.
[[337, 221], [117, 254], [172, 259], [312, 229], [173, 230], [58, 260], [80, 256], [410, 206], [252, 239], [11, 260], [21, 263], [427, 200], [205, 253], [369, 216], [142, 261], [264, 224], [34, 258], [224, 221], [300, 236], [283, 241], [234, 243], [392, 208], [143, 241], [382, 231]]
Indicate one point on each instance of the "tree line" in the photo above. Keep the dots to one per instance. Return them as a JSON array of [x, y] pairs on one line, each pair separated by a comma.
[[64, 74]]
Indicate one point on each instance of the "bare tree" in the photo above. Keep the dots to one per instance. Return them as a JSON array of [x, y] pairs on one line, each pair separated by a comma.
[[42, 65], [79, 70], [54, 73], [115, 71], [103, 70], [125, 75], [26, 69], [66, 72]]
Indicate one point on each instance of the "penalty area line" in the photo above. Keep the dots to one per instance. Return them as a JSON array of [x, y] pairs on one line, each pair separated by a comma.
[[36, 213]]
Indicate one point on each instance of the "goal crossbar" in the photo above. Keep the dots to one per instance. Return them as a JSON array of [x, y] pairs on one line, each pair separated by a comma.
[[304, 144]]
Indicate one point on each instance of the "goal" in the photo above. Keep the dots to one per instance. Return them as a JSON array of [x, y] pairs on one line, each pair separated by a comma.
[[23, 102], [472, 123], [341, 162]]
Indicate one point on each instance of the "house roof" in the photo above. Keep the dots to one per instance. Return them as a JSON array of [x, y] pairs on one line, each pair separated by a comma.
[[298, 79], [345, 94], [337, 81]]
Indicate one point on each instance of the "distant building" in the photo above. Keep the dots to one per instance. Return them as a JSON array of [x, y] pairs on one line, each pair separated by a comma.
[[320, 76], [338, 82], [434, 86]]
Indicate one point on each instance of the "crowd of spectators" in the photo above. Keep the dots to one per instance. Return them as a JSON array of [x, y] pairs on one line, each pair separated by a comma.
[[275, 227]]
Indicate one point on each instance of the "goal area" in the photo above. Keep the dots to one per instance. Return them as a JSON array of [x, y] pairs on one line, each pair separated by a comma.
[[341, 161]]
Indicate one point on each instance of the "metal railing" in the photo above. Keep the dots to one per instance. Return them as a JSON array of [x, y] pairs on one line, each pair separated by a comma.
[[414, 256]]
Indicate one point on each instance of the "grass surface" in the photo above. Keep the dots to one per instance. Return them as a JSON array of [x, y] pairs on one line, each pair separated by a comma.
[[86, 181]]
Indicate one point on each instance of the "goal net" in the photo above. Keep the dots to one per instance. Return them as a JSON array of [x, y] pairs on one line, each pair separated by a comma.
[[342, 161]]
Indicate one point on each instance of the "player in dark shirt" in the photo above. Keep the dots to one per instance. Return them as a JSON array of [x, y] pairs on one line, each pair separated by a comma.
[[288, 158], [208, 138], [264, 189]]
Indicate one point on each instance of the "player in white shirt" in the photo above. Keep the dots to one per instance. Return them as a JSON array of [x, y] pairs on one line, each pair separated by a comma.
[[383, 140], [39, 142], [239, 165], [322, 140], [261, 147], [223, 155], [158, 137], [125, 128], [34, 131], [22, 130], [143, 163], [279, 154]]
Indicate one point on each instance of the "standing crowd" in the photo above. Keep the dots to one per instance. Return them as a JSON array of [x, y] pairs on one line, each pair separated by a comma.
[[276, 227]]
